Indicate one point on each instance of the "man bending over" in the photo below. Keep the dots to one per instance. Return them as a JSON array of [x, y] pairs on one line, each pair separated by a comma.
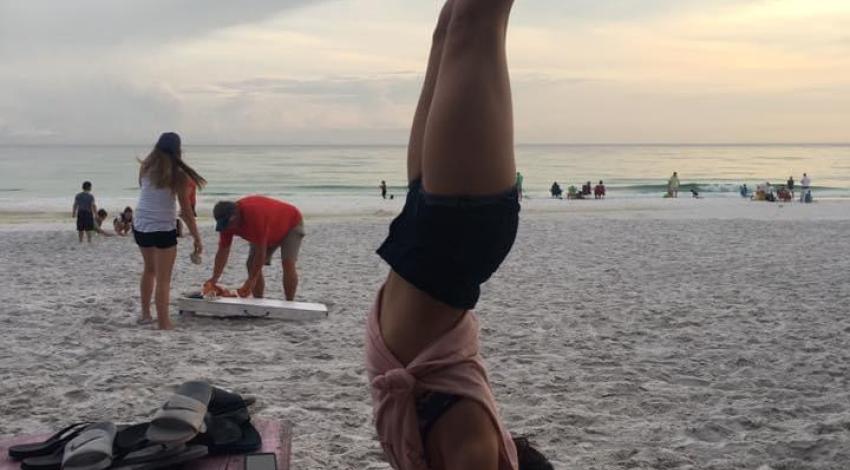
[[267, 224]]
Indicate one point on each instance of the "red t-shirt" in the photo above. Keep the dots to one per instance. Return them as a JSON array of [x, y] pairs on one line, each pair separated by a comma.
[[263, 221]]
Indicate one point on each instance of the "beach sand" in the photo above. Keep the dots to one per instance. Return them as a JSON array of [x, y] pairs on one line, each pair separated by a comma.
[[667, 335]]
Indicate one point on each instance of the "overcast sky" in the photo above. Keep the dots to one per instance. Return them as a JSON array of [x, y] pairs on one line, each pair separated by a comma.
[[349, 71]]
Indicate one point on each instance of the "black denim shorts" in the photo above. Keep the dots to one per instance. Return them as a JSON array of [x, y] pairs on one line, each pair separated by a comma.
[[447, 246]]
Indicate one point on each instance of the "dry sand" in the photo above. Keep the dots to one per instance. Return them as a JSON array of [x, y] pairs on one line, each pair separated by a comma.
[[617, 339]]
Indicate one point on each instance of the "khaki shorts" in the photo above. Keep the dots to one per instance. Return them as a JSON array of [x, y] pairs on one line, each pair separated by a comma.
[[289, 247]]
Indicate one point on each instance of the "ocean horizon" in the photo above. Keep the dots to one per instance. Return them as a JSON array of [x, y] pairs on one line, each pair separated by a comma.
[[336, 177]]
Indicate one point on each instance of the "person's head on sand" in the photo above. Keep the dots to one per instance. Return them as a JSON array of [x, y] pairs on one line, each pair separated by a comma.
[[102, 214], [128, 213], [87, 186], [226, 215], [165, 166]]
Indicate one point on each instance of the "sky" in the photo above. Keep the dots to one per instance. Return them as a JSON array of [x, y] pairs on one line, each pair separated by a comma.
[[349, 71]]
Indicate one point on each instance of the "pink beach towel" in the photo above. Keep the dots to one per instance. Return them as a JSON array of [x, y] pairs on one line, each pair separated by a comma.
[[450, 365]]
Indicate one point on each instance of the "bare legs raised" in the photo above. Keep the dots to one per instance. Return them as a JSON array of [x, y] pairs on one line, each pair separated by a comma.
[[461, 144]]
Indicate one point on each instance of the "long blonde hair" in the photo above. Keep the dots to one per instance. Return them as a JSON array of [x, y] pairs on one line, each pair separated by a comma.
[[167, 170]]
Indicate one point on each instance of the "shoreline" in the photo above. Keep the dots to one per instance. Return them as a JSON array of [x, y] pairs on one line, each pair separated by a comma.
[[683, 208]]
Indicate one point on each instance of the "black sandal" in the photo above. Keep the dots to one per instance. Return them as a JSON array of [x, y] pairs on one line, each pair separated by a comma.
[[53, 443]]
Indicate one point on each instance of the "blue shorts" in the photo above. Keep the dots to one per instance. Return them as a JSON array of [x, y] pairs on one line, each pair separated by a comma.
[[447, 246]]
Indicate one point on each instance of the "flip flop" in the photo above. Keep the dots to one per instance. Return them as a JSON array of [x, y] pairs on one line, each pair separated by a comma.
[[223, 402], [182, 417], [49, 446], [144, 321], [161, 456], [91, 449], [128, 439], [227, 436]]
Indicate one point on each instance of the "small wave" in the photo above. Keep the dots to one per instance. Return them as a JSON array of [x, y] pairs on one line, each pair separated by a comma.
[[10, 190]]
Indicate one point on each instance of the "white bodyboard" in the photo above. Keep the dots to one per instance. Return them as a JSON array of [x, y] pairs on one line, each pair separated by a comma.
[[253, 308]]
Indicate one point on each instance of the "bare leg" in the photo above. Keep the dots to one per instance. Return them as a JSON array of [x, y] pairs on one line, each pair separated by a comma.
[[469, 135], [466, 149], [80, 234], [164, 267], [290, 279], [420, 119], [148, 281], [259, 289], [88, 236]]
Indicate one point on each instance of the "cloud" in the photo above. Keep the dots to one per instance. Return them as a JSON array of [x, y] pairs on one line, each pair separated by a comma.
[[100, 111], [39, 26]]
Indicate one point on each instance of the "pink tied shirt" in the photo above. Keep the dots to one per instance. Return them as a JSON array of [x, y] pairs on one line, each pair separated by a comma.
[[450, 365]]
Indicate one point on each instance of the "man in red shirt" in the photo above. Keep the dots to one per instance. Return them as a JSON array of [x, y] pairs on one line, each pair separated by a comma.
[[267, 224]]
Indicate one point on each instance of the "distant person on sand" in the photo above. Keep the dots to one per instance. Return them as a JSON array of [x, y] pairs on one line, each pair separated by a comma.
[[519, 180], [383, 187], [574, 193], [433, 405], [164, 180], [745, 192], [805, 187], [98, 222], [673, 185], [267, 224], [599, 190], [556, 190], [790, 186], [695, 193], [123, 224], [84, 210]]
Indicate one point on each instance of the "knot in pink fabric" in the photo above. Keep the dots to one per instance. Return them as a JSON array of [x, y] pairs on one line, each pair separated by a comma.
[[395, 382]]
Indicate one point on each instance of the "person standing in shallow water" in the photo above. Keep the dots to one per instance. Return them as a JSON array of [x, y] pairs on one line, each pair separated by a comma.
[[383, 187], [673, 185], [433, 406], [164, 180]]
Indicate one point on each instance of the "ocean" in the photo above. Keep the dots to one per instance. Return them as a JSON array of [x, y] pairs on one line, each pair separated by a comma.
[[344, 179]]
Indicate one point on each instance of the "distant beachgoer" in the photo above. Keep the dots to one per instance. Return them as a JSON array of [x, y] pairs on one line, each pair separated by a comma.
[[84, 210], [599, 190], [673, 185], [98, 222], [790, 185], [769, 195], [745, 192], [805, 185], [556, 190], [519, 180], [433, 404], [572, 192], [123, 224], [383, 187], [267, 224], [163, 178], [587, 189], [784, 195], [695, 193]]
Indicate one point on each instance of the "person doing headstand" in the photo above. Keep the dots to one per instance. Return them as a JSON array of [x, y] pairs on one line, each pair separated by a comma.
[[433, 406]]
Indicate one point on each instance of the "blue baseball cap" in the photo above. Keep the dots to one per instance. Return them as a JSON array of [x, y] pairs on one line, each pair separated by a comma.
[[223, 212], [169, 143]]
